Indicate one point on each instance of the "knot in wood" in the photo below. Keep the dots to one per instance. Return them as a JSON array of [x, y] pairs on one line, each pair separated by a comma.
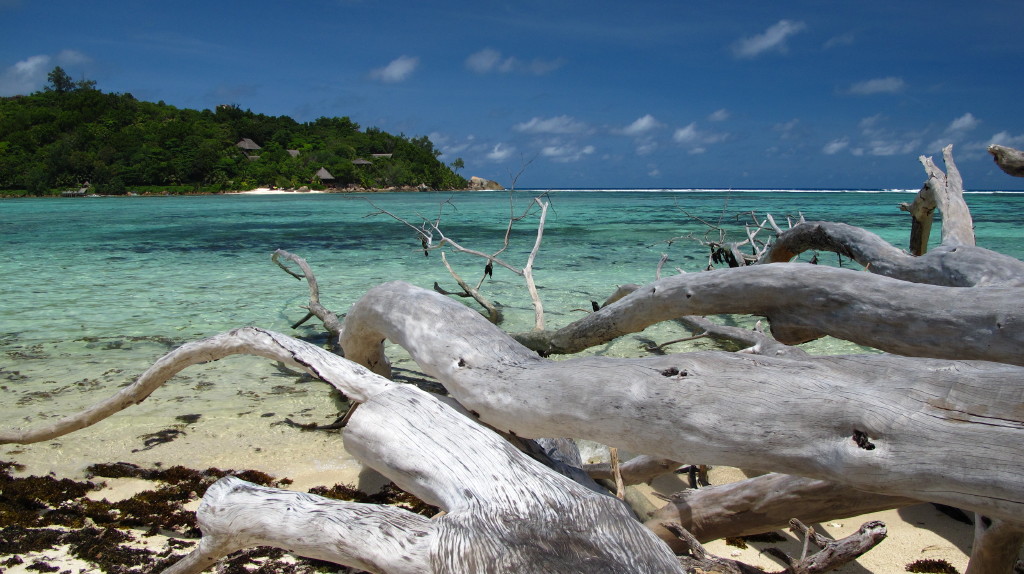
[[862, 440]]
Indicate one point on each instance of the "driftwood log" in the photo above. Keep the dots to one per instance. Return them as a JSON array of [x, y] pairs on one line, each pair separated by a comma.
[[1008, 159]]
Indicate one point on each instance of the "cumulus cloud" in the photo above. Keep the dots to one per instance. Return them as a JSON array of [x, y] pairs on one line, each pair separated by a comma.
[[774, 38], [490, 60], [555, 125], [964, 123], [566, 153], [889, 85], [500, 152], [641, 126], [29, 75], [25, 76], [686, 135], [397, 70]]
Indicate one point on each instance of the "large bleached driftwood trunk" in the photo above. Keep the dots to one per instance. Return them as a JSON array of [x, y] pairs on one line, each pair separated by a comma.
[[886, 424]]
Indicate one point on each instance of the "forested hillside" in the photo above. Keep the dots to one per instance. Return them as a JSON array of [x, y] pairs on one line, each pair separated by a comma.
[[71, 133]]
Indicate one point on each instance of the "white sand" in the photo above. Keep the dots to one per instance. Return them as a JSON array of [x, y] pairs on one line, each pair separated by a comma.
[[268, 191]]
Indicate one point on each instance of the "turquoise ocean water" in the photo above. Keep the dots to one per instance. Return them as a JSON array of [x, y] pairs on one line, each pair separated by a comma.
[[94, 290]]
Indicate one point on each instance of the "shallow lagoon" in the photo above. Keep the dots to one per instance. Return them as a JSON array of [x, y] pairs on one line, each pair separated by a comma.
[[94, 290]]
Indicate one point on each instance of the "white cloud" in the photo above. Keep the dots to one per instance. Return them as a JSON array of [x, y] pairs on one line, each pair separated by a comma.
[[566, 153], [870, 124], [892, 147], [487, 60], [25, 76], [889, 85], [719, 115], [641, 126], [697, 139], [687, 134], [1004, 138], [490, 60], [398, 70], [500, 152], [964, 123], [555, 125], [835, 146], [774, 38], [883, 141], [956, 131]]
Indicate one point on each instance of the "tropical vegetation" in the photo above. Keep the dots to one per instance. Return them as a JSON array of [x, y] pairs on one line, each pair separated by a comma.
[[71, 133]]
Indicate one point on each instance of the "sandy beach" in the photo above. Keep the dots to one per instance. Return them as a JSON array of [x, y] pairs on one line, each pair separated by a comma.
[[268, 191]]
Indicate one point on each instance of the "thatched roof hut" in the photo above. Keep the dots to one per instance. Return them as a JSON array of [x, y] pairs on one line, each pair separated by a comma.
[[324, 175], [248, 145], [361, 161]]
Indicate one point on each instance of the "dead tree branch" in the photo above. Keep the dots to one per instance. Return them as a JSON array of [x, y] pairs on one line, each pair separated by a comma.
[[763, 504], [803, 302], [1008, 159], [944, 191], [330, 320]]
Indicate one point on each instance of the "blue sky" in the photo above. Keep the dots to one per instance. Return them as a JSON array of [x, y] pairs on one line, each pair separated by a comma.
[[803, 94]]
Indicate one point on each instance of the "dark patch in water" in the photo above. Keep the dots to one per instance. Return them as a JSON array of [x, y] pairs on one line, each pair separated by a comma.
[[158, 438]]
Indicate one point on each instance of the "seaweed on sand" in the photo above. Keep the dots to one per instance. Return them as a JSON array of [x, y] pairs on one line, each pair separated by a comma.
[[43, 513]]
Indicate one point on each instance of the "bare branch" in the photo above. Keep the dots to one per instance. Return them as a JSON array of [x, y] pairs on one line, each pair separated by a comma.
[[330, 319]]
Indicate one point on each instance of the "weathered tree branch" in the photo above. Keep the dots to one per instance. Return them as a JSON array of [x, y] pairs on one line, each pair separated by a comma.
[[695, 558], [950, 266], [996, 546], [236, 514], [330, 320], [833, 553], [636, 470], [945, 191], [762, 504], [804, 302], [499, 502], [494, 314], [353, 380], [901, 421], [1008, 159]]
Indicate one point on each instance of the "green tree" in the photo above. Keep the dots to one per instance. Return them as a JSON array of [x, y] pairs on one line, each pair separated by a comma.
[[60, 81]]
